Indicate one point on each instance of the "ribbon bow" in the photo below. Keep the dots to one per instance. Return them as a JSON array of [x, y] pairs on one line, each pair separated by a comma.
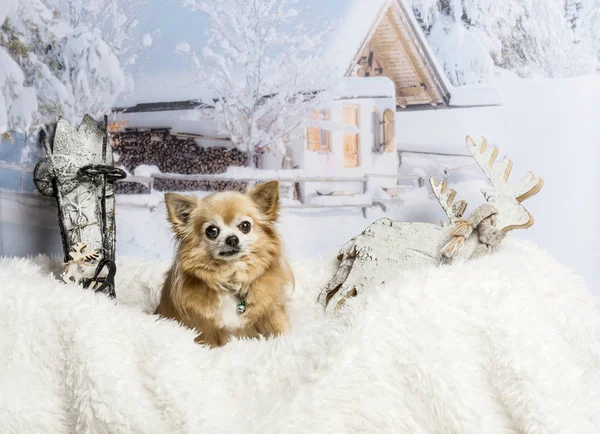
[[482, 220]]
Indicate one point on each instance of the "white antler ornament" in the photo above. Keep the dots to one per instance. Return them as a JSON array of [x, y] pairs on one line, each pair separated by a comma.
[[506, 197], [377, 254]]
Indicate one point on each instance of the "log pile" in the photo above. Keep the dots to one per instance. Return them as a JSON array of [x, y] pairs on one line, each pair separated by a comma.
[[172, 154]]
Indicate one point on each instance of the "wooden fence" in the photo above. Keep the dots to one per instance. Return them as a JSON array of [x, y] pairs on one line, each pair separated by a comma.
[[364, 180]]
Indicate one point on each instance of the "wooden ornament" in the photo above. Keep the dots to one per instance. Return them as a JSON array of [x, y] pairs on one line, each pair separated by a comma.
[[385, 246], [78, 170]]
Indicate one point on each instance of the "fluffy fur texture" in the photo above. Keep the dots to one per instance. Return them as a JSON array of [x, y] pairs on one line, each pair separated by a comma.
[[228, 250], [506, 344]]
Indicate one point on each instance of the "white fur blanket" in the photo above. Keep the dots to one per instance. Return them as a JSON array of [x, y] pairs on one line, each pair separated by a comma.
[[508, 343]]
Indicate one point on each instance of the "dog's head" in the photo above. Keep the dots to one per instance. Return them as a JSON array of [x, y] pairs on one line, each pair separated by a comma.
[[225, 228]]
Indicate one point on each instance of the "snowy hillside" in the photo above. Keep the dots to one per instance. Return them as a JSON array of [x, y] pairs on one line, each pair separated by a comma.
[[552, 38]]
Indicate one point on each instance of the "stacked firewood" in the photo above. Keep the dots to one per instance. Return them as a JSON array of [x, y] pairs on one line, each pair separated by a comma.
[[172, 154]]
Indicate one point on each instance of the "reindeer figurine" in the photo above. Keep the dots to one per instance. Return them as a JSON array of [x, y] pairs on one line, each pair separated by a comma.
[[375, 256]]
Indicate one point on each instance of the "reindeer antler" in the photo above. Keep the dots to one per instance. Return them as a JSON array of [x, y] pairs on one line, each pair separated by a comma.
[[446, 199], [78, 255], [507, 197]]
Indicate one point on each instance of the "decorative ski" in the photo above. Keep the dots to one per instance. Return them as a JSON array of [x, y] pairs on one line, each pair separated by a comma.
[[78, 171], [385, 246]]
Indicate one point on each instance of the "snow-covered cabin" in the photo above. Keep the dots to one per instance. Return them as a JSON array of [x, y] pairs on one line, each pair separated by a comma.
[[388, 68]]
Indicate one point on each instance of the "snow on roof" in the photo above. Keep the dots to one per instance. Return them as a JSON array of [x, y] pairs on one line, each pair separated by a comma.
[[185, 97], [352, 28], [179, 121], [364, 87], [164, 87]]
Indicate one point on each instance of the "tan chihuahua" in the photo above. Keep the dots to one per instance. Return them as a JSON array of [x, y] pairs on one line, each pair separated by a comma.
[[229, 275]]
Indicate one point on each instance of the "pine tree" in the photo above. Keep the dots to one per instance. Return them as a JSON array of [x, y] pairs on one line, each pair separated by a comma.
[[548, 37], [62, 58]]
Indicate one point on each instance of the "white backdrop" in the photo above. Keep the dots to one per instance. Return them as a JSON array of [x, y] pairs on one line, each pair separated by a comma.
[[548, 126]]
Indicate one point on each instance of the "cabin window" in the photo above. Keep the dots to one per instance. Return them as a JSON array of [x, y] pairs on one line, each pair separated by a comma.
[[388, 130], [319, 139], [351, 141], [376, 126]]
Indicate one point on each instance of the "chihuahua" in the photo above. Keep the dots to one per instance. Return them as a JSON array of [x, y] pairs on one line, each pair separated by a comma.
[[230, 275]]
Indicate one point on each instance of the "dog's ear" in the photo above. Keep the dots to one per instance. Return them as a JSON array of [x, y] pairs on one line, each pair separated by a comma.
[[179, 209], [266, 197]]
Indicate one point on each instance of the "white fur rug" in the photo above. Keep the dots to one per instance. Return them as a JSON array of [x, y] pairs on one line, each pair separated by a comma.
[[506, 344]]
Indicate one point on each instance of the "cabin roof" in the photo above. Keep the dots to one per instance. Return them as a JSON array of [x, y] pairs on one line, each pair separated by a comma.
[[396, 43], [383, 37]]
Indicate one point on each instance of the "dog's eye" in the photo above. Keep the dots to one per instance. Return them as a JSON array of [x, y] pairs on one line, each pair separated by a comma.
[[212, 232], [245, 227]]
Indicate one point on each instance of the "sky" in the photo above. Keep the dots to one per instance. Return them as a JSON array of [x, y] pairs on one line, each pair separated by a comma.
[[177, 24], [162, 74]]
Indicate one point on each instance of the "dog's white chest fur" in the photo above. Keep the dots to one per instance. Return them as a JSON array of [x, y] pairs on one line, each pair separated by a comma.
[[230, 319]]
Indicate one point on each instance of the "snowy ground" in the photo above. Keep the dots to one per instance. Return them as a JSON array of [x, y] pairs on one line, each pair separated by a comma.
[[547, 126]]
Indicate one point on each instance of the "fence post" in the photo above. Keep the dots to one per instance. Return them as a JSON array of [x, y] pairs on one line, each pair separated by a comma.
[[365, 189], [151, 184]]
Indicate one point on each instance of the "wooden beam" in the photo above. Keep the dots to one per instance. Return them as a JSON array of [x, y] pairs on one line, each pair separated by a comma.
[[369, 64], [392, 68], [410, 91], [401, 102], [429, 64], [365, 42], [408, 51], [383, 61]]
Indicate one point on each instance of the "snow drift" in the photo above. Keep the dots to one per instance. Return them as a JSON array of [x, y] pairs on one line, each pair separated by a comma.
[[509, 343]]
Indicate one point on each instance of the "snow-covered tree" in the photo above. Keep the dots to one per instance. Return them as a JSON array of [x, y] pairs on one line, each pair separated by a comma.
[[114, 19], [546, 37], [62, 58], [262, 70]]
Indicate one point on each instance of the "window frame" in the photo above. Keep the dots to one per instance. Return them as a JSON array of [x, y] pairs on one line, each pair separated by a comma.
[[356, 155], [324, 114], [388, 142]]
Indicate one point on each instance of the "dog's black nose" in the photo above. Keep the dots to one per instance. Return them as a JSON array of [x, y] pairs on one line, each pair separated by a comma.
[[232, 240]]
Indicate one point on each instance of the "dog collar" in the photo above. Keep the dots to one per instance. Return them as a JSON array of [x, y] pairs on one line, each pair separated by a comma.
[[241, 306]]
